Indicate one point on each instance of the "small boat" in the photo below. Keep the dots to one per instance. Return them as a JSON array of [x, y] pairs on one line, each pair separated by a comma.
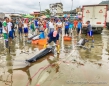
[[43, 53]]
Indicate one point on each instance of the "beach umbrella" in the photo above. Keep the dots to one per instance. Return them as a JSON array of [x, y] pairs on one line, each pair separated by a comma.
[[48, 16], [65, 15]]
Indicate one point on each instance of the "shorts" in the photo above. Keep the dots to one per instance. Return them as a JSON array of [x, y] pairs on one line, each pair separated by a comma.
[[11, 34], [66, 30], [5, 35], [20, 31], [78, 30], [59, 30], [37, 27], [25, 30], [75, 26], [90, 33], [71, 28], [13, 30], [0, 30], [50, 40]]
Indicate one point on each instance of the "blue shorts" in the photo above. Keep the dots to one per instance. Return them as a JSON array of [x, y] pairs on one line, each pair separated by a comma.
[[20, 31], [11, 34], [90, 33], [0, 30], [50, 40], [25, 30], [13, 30], [78, 30], [37, 27]]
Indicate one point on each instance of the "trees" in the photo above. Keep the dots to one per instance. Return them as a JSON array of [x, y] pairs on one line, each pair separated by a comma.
[[47, 12]]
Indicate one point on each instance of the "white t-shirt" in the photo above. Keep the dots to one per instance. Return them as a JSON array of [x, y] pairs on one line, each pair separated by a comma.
[[51, 25], [59, 23], [25, 25], [9, 27]]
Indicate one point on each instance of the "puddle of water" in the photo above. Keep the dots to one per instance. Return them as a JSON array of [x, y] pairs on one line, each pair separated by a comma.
[[15, 72]]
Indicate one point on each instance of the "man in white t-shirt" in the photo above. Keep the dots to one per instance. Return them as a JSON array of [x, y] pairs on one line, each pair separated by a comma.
[[51, 26], [59, 26], [10, 29]]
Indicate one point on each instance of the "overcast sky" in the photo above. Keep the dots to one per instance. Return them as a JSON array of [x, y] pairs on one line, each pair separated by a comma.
[[28, 6]]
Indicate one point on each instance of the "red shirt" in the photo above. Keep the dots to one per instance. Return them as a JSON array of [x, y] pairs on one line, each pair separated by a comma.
[[75, 23], [44, 25]]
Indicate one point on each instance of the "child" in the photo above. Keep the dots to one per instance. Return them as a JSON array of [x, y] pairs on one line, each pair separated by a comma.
[[89, 31], [75, 24], [71, 28]]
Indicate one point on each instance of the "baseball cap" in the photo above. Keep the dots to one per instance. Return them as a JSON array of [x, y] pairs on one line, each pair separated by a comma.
[[55, 33]]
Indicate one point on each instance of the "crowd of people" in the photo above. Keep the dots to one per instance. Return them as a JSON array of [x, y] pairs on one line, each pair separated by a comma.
[[52, 28]]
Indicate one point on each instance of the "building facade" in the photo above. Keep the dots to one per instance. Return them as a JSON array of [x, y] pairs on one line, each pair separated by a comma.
[[56, 9], [2, 15], [78, 9], [35, 14]]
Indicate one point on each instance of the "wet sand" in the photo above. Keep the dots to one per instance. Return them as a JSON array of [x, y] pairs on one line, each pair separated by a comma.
[[73, 67]]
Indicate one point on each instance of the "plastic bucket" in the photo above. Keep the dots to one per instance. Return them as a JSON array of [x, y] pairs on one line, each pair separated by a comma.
[[42, 36]]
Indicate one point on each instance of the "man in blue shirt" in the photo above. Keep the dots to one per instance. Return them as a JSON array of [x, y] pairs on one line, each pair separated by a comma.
[[53, 36], [36, 23], [79, 27], [66, 27]]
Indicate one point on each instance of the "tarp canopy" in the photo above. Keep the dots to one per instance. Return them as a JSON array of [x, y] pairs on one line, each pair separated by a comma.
[[65, 15], [48, 16], [28, 16]]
